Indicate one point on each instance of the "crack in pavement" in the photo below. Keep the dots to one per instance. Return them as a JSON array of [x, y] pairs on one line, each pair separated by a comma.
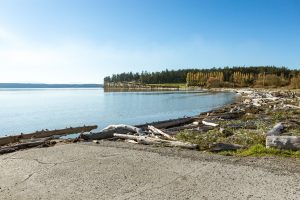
[[45, 163], [27, 178]]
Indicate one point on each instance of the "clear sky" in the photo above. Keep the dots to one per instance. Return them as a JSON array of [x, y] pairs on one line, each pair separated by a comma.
[[81, 41]]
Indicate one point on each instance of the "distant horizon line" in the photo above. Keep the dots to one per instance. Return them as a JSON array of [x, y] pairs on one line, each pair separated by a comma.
[[31, 83], [45, 85]]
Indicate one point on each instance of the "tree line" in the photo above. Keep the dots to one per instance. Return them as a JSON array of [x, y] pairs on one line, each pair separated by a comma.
[[165, 76], [260, 76]]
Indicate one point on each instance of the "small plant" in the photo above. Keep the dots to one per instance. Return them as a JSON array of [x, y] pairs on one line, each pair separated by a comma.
[[242, 137]]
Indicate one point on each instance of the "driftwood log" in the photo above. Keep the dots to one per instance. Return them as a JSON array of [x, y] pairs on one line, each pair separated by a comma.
[[44, 134], [169, 123], [150, 141], [160, 132], [26, 145], [110, 130], [283, 142], [207, 123], [227, 115]]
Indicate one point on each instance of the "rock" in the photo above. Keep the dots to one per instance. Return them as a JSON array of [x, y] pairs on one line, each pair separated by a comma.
[[276, 130], [283, 142]]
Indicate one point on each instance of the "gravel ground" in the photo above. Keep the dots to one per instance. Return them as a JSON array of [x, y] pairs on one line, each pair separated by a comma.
[[116, 170]]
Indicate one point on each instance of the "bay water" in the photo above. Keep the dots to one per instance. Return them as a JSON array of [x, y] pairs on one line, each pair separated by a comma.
[[28, 110]]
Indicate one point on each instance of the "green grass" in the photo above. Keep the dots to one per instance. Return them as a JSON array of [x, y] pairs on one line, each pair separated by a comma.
[[295, 132], [242, 137], [253, 143], [260, 150]]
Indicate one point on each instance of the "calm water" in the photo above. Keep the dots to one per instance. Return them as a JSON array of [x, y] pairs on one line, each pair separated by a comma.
[[27, 110]]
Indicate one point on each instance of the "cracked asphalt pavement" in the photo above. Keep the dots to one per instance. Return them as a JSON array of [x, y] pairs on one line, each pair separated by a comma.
[[116, 170]]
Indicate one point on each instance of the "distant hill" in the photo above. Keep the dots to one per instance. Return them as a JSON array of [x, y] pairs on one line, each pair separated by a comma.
[[41, 85]]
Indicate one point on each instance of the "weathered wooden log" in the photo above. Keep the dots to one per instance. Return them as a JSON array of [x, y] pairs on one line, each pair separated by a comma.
[[5, 150], [110, 130], [173, 130], [228, 115], [150, 141], [43, 134], [168, 123], [283, 142], [217, 147], [276, 130], [209, 123], [160, 132], [27, 145]]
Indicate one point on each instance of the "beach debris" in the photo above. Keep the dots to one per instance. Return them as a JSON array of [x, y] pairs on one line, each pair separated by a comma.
[[159, 132], [110, 130], [169, 123], [45, 134], [207, 123], [44, 142], [283, 142], [136, 135], [131, 141]]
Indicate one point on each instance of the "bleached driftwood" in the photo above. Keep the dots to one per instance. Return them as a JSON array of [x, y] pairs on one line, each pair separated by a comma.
[[150, 141], [110, 130], [209, 123], [160, 132], [283, 142], [131, 141], [276, 130]]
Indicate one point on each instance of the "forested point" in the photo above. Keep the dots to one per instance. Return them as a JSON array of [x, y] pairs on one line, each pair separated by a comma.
[[261, 76]]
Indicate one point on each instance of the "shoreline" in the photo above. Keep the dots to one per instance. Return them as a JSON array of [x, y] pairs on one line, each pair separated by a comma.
[[224, 115], [243, 126]]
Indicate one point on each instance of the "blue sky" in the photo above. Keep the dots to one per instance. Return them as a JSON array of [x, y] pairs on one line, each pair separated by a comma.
[[81, 41]]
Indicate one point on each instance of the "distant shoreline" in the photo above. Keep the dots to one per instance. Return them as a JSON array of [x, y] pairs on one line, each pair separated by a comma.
[[42, 85]]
